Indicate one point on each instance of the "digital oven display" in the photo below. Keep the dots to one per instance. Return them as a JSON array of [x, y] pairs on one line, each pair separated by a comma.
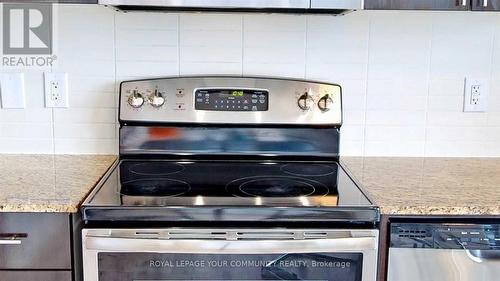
[[231, 100]]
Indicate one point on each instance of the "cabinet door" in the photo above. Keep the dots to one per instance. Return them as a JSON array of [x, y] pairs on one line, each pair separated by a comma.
[[336, 4], [14, 275], [459, 5], [486, 5], [52, 1], [35, 241]]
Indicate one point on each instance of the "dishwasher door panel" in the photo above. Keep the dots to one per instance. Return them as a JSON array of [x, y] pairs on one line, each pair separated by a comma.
[[419, 264]]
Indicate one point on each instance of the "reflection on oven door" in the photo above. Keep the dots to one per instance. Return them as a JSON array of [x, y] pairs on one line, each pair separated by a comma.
[[156, 266]]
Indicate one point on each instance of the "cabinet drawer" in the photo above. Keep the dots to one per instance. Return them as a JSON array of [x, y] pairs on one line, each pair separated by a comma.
[[461, 5], [35, 241], [33, 275]]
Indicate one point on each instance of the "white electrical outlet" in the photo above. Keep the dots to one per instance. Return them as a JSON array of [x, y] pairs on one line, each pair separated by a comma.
[[476, 95], [56, 89]]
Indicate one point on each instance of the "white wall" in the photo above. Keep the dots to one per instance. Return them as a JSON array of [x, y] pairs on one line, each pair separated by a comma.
[[402, 74]]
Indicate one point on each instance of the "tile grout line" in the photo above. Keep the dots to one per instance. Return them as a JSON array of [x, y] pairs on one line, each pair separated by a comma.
[[492, 55], [491, 79], [116, 95], [305, 44], [242, 26], [365, 111], [53, 131], [427, 97], [53, 125], [178, 44], [52, 118]]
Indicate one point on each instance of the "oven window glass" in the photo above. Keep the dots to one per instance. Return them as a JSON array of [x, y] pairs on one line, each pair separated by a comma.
[[159, 266]]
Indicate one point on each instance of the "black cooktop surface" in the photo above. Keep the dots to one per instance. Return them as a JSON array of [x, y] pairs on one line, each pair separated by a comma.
[[238, 179], [186, 188]]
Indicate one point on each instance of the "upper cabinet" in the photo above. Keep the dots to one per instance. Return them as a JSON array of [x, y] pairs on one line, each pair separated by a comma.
[[486, 5], [51, 1], [458, 5], [342, 4]]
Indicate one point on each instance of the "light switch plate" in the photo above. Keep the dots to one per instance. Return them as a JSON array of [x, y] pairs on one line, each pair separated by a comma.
[[476, 95], [12, 90], [56, 89]]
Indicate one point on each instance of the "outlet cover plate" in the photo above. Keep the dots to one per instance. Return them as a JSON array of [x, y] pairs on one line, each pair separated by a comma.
[[56, 89], [476, 95], [12, 90]]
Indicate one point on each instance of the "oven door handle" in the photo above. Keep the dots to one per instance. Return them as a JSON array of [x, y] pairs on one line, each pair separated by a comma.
[[112, 244]]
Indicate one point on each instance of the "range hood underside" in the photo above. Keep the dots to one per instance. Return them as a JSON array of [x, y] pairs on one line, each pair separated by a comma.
[[256, 6], [132, 8]]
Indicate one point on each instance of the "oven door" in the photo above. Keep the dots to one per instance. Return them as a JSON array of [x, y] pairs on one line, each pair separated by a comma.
[[229, 254]]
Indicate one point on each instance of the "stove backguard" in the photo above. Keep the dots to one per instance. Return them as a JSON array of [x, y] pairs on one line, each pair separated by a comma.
[[189, 141], [229, 116]]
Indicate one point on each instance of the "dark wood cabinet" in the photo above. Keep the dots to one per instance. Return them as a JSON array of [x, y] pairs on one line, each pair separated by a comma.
[[40, 247], [14, 275], [44, 241], [459, 5], [51, 1], [486, 5]]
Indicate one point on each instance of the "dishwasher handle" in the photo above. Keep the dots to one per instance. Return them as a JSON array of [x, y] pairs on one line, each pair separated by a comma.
[[486, 255]]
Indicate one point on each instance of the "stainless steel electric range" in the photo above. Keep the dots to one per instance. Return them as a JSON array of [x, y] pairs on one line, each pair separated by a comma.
[[229, 178]]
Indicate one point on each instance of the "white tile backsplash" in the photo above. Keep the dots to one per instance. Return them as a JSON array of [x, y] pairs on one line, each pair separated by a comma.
[[210, 44], [395, 118], [462, 148], [84, 115], [274, 46], [394, 148], [28, 115], [85, 146], [335, 40], [466, 52], [26, 130], [142, 69], [455, 118], [336, 72], [400, 38], [399, 133], [446, 87], [85, 131], [402, 73], [26, 145]]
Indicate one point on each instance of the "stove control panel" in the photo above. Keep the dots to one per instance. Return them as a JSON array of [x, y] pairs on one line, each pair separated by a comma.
[[231, 99], [226, 100], [446, 236]]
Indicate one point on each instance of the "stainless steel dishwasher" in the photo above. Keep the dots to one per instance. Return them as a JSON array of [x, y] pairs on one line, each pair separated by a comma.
[[444, 252]]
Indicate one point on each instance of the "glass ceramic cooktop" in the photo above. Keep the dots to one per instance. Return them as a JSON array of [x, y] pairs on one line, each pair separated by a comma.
[[228, 183]]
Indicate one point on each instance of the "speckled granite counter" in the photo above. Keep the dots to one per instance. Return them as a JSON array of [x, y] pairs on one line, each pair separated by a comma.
[[430, 186], [49, 183]]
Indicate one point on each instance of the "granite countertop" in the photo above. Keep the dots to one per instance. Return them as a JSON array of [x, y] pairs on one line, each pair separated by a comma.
[[49, 183], [430, 186], [399, 186]]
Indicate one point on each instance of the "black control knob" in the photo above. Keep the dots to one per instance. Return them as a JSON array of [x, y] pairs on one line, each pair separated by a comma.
[[305, 101], [325, 102]]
